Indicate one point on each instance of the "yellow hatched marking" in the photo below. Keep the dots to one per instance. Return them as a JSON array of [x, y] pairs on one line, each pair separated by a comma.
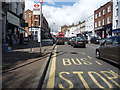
[[98, 63], [51, 79]]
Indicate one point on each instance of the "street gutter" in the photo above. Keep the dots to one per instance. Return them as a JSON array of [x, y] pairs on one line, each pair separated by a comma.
[[41, 76]]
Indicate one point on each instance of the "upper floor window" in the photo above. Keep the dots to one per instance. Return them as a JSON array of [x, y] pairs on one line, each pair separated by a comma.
[[29, 14], [99, 14], [103, 22], [108, 19], [109, 9], [96, 15], [99, 23], [116, 12], [104, 11], [95, 24], [116, 23]]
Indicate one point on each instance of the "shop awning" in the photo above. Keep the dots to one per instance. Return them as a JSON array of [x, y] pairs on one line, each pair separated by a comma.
[[116, 30], [22, 29]]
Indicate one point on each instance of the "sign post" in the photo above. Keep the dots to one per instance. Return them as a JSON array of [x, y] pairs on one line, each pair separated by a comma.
[[41, 1]]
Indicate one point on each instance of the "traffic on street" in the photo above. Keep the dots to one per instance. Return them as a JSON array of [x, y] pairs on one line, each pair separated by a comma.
[[60, 44]]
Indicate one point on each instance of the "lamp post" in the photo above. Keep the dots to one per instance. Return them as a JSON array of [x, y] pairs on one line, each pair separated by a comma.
[[41, 1]]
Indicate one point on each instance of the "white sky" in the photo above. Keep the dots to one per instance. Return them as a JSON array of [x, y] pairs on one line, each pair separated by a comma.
[[68, 14]]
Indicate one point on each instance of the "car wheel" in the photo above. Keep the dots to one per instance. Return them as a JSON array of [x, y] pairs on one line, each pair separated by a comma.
[[97, 54]]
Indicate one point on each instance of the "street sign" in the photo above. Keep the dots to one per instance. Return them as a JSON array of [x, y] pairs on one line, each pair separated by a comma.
[[39, 35], [36, 8]]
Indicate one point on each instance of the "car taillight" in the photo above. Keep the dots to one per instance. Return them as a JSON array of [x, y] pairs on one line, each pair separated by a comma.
[[75, 42]]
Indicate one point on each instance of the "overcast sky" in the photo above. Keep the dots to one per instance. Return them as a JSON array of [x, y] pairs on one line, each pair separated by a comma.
[[66, 12]]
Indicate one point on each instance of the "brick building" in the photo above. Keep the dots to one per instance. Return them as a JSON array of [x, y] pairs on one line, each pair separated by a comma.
[[34, 24], [103, 20]]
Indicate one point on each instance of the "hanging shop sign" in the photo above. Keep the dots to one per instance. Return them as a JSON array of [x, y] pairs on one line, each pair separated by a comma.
[[13, 19]]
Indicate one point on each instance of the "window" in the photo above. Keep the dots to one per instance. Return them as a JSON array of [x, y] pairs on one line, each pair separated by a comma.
[[116, 23], [109, 9], [103, 11], [36, 23], [116, 12], [96, 15], [99, 23], [29, 14], [103, 22], [117, 40], [108, 19], [99, 14], [109, 41], [95, 24]]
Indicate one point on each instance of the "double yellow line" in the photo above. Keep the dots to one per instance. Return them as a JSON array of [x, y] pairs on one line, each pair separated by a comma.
[[51, 79]]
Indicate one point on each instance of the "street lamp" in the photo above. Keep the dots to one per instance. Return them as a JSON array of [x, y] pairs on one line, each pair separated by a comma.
[[41, 1]]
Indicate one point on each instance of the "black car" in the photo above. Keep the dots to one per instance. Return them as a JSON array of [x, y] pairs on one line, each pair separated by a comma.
[[79, 42], [95, 40], [109, 49]]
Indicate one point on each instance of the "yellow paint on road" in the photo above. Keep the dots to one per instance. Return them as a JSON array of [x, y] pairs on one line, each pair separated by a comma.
[[90, 73], [51, 79], [83, 53], [98, 62], [82, 79], [89, 57], [65, 79]]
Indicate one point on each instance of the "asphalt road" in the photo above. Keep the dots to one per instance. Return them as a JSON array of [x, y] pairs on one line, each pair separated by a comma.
[[78, 68]]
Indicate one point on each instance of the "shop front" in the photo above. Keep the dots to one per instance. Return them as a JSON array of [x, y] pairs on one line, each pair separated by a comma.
[[116, 32]]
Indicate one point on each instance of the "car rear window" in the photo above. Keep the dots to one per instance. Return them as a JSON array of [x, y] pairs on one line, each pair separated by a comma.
[[80, 39]]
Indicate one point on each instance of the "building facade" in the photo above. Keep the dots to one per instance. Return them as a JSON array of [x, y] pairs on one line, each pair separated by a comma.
[[34, 25], [89, 26], [13, 22], [116, 17], [103, 20]]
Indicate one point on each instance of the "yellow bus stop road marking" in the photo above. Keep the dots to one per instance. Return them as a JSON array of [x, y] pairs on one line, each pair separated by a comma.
[[98, 62], [51, 79]]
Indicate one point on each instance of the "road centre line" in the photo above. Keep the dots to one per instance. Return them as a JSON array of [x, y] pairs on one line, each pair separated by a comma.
[[51, 78]]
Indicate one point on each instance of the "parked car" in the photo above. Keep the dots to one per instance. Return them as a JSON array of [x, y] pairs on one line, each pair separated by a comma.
[[79, 42], [68, 41], [25, 40], [61, 41], [109, 49], [72, 40], [95, 40]]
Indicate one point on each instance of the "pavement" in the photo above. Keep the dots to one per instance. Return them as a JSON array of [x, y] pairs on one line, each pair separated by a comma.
[[21, 67]]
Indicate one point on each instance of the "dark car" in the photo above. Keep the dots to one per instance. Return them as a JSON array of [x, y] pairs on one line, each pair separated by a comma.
[[95, 40], [61, 41], [26, 40], [72, 40], [110, 49], [68, 41], [79, 42]]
